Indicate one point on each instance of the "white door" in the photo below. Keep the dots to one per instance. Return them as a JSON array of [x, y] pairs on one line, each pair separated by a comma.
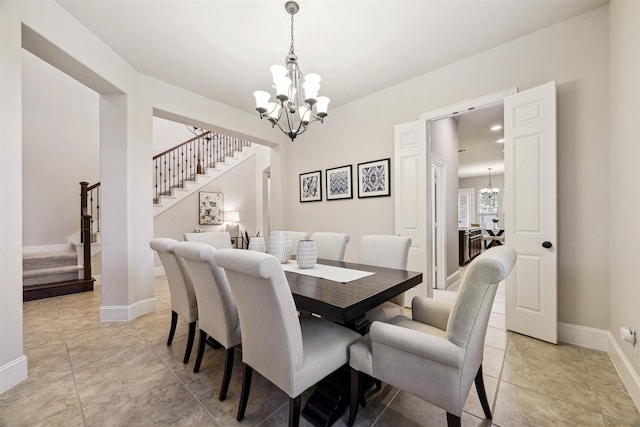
[[410, 189], [531, 220]]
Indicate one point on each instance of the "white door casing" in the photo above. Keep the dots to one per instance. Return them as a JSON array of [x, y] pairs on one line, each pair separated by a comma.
[[410, 189], [439, 221], [531, 211]]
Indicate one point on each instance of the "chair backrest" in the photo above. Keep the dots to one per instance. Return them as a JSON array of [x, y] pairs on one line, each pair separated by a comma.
[[271, 334], [217, 239], [218, 316], [330, 245], [385, 251], [183, 296], [296, 236], [469, 316]]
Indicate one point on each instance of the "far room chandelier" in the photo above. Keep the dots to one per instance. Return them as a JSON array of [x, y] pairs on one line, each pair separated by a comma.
[[298, 104], [489, 191]]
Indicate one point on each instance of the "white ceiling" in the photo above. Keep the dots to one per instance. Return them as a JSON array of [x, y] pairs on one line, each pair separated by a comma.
[[223, 49], [477, 146]]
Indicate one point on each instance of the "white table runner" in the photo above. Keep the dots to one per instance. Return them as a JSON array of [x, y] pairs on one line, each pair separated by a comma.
[[337, 274]]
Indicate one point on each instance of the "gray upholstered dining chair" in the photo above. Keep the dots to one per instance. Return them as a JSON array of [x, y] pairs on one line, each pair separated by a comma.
[[183, 296], [292, 352], [217, 239], [390, 252], [218, 317], [296, 236], [436, 354], [329, 245]]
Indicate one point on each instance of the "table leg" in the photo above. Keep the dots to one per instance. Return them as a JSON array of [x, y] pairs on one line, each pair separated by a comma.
[[331, 396]]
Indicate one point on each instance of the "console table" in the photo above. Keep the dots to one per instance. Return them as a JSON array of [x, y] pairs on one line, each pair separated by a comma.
[[469, 244]]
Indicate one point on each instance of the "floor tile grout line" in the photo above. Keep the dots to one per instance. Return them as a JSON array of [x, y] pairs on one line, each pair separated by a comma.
[[375, 421], [184, 385], [73, 374]]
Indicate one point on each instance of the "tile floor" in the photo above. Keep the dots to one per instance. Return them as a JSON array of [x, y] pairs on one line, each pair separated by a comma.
[[85, 373]]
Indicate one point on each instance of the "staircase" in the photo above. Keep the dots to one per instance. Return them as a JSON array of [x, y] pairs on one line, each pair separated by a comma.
[[179, 172], [48, 274]]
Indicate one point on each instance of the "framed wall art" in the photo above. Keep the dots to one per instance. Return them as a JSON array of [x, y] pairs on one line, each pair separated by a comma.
[[339, 185], [211, 208], [374, 179], [311, 187]]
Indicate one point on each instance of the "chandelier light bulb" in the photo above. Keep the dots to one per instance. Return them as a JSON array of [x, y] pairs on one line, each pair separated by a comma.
[[311, 90], [262, 100], [322, 105], [273, 109], [305, 114], [282, 88]]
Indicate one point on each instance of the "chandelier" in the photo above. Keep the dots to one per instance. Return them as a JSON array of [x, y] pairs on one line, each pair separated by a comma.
[[489, 191], [297, 102]]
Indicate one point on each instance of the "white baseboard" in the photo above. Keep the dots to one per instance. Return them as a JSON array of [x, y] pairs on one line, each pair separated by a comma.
[[13, 373], [125, 313], [584, 336], [599, 339], [625, 370], [158, 271], [453, 278]]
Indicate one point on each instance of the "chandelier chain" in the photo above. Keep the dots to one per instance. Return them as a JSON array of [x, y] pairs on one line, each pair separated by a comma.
[[291, 48]]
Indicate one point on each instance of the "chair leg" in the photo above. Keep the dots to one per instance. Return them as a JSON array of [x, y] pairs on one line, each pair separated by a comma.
[[378, 385], [244, 394], [172, 329], [453, 420], [294, 411], [226, 378], [482, 394], [201, 343], [356, 390], [191, 336]]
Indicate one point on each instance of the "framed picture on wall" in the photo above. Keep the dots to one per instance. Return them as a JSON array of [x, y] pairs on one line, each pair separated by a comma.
[[211, 208], [374, 179], [311, 187], [339, 184]]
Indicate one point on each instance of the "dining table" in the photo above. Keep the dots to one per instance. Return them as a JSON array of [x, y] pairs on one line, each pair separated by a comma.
[[342, 292]]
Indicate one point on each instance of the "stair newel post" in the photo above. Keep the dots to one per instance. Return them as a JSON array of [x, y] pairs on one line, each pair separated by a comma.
[[86, 237], [199, 164], [83, 206]]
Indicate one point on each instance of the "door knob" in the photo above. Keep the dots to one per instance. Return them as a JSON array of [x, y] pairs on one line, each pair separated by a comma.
[[546, 244]]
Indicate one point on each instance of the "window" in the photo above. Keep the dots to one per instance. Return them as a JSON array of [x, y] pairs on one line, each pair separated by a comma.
[[487, 209], [466, 208]]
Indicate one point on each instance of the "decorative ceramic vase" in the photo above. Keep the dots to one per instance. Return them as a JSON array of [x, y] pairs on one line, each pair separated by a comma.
[[306, 256], [279, 245], [257, 244]]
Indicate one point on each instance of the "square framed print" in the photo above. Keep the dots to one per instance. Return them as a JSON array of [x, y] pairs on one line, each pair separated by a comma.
[[339, 183], [374, 179], [311, 187], [211, 208]]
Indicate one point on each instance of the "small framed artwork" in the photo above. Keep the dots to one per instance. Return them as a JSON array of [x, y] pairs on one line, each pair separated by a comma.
[[374, 179], [311, 187], [339, 183], [211, 208]]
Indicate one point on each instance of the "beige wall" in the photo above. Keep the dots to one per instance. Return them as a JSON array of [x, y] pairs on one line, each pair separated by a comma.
[[61, 148], [574, 54], [444, 144], [624, 251]]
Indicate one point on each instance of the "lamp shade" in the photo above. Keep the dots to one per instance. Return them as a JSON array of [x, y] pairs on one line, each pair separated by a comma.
[[232, 216]]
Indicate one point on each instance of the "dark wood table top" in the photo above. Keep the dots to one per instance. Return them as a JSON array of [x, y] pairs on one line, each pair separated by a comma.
[[347, 303]]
